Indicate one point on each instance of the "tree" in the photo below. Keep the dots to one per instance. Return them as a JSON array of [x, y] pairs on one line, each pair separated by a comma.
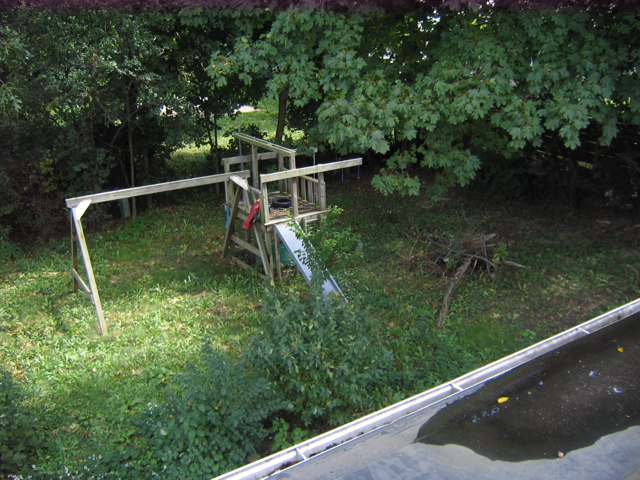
[[93, 87], [442, 89], [197, 33], [295, 58]]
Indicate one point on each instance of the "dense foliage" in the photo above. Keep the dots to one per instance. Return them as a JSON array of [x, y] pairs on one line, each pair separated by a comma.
[[99, 100], [19, 440], [448, 90], [215, 421], [321, 355], [96, 99]]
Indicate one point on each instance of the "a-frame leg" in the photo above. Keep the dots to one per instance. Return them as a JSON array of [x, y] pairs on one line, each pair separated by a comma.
[[232, 218]]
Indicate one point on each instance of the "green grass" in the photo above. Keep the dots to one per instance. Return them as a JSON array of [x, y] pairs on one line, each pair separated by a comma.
[[165, 289]]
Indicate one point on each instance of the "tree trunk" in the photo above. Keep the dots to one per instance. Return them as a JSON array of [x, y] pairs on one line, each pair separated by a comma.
[[147, 173], [282, 114], [569, 175], [132, 177], [213, 146]]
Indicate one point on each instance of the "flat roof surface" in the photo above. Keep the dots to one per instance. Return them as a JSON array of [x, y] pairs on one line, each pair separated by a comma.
[[573, 413]]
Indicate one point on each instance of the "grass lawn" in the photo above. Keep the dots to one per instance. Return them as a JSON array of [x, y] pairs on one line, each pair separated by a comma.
[[165, 290]]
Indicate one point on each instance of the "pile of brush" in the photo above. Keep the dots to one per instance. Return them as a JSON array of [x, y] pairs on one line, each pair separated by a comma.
[[454, 258]]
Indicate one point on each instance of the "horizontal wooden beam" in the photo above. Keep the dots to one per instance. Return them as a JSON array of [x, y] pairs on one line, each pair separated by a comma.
[[246, 245], [156, 188], [258, 142], [307, 216], [299, 172], [248, 158]]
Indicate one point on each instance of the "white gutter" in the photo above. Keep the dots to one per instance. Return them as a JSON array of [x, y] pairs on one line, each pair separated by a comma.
[[303, 451]]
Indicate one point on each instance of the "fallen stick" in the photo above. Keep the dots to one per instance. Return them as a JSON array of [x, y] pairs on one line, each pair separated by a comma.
[[452, 286], [513, 264]]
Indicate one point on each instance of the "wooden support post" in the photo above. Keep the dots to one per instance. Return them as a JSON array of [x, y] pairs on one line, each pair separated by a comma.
[[254, 166], [265, 215], [78, 205], [278, 260], [294, 197], [74, 252], [322, 191], [282, 183], [232, 221], [266, 263], [76, 215]]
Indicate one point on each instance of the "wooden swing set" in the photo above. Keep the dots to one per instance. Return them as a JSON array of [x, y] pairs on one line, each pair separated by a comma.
[[300, 197]]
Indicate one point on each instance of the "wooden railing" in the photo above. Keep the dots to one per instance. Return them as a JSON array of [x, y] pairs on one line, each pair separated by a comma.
[[302, 186]]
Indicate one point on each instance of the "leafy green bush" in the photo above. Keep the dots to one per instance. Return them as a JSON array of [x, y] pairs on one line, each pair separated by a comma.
[[18, 437], [285, 436], [215, 422], [334, 246], [320, 353], [8, 249]]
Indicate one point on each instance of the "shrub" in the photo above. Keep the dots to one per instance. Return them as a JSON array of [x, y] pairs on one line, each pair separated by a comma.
[[320, 353], [216, 421], [8, 249], [18, 436], [334, 245]]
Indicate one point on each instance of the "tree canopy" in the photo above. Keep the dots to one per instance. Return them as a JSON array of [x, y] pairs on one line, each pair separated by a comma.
[[95, 98], [439, 89]]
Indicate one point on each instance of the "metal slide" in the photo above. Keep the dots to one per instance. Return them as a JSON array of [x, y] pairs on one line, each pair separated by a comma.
[[299, 253]]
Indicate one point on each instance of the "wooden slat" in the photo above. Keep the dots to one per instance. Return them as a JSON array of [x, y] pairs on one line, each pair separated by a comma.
[[254, 167], [241, 182], [308, 216], [244, 244], [247, 266], [294, 199], [232, 219], [266, 262], [276, 252], [322, 192], [77, 278], [228, 161], [93, 286]]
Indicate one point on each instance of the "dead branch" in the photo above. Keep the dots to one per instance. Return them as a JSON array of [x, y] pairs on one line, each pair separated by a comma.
[[441, 253], [513, 264], [452, 287]]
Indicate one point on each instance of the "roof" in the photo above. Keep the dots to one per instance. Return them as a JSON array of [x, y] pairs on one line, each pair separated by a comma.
[[568, 407]]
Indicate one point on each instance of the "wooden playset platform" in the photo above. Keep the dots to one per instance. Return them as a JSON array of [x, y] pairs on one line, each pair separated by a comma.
[[266, 200]]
